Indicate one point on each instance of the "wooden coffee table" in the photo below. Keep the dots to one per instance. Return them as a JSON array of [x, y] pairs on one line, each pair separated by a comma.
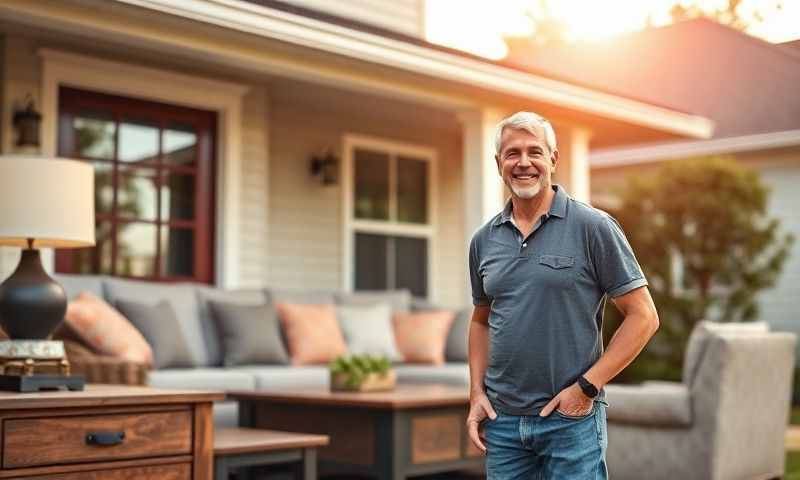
[[413, 430]]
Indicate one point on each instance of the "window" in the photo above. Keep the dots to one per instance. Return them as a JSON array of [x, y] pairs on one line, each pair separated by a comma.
[[389, 214], [153, 185]]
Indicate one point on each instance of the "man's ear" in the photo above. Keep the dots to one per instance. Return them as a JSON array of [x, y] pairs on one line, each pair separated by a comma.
[[497, 162], [554, 159]]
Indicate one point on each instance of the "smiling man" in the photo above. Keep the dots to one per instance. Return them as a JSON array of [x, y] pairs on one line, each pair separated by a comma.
[[541, 271]]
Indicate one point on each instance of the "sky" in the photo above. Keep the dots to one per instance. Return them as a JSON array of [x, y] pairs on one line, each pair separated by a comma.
[[478, 26]]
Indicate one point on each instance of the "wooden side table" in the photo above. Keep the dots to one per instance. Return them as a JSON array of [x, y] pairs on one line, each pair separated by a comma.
[[108, 432], [249, 447]]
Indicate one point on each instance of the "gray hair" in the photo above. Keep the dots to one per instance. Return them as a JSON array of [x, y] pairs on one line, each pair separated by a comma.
[[527, 121]]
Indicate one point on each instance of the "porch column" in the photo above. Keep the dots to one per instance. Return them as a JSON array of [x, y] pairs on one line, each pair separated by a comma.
[[572, 170], [483, 187]]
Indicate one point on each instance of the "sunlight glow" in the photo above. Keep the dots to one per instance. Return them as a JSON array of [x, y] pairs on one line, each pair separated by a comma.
[[478, 26]]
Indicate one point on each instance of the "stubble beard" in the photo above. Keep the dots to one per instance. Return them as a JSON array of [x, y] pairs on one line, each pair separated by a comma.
[[526, 193]]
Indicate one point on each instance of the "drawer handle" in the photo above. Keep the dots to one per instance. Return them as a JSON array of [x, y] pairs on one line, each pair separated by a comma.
[[104, 438]]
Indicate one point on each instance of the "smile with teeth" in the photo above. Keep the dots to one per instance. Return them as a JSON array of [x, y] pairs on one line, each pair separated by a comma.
[[525, 176]]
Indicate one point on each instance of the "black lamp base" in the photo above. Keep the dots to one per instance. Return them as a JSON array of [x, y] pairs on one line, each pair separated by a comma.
[[37, 383]]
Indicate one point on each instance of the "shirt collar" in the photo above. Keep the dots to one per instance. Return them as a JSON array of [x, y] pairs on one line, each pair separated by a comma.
[[557, 209]]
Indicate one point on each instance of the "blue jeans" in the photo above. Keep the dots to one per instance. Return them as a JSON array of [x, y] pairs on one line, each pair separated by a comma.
[[553, 447]]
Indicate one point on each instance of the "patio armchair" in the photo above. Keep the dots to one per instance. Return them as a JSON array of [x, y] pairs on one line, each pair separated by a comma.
[[726, 419]]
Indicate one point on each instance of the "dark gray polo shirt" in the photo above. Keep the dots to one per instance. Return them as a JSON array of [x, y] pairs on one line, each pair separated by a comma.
[[546, 294]]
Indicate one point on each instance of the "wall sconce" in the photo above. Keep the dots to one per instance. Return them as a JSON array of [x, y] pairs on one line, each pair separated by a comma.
[[325, 166], [26, 122]]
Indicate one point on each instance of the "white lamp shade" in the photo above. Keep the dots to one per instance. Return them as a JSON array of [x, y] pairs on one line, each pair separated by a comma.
[[48, 199]]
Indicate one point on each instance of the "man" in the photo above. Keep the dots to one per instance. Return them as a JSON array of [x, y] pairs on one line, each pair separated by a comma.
[[541, 271]]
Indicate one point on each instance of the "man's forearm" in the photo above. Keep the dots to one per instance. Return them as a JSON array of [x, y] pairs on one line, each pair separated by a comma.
[[628, 341], [478, 350]]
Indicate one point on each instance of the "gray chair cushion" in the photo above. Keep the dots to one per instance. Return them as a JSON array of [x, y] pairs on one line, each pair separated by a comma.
[[657, 404], [269, 377], [368, 329], [202, 379], [450, 373], [159, 326], [182, 297], [457, 340], [250, 334], [305, 297], [75, 284], [400, 300], [206, 294]]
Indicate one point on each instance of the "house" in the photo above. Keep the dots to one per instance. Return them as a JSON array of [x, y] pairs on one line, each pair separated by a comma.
[[203, 119], [746, 86]]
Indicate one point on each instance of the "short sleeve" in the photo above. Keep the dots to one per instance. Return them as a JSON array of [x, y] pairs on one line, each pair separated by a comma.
[[615, 265], [479, 296]]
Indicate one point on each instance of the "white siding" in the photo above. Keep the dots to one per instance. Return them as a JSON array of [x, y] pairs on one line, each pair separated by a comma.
[[404, 16], [305, 234], [779, 304]]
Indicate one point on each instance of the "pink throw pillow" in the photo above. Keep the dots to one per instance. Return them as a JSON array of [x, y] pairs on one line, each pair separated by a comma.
[[422, 337], [312, 333], [106, 330]]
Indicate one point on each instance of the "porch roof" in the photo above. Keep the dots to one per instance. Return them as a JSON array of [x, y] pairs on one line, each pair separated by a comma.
[[462, 80]]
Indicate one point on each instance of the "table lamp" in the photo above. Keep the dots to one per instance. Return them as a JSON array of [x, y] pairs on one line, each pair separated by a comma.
[[44, 202]]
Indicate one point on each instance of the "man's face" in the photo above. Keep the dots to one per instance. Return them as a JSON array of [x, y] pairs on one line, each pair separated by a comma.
[[525, 163]]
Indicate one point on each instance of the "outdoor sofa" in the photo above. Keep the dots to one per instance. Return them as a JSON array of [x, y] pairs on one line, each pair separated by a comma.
[[191, 306]]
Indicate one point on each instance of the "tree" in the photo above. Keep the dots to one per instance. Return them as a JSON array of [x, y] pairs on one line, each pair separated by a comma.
[[730, 14], [701, 232]]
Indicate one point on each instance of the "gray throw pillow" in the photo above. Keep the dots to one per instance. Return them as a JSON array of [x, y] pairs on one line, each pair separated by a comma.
[[250, 334], [160, 327], [457, 340], [368, 329]]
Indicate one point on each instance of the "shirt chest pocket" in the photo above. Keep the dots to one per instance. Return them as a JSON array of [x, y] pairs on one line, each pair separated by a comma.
[[555, 271]]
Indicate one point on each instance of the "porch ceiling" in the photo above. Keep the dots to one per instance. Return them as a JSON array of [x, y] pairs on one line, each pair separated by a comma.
[[226, 36]]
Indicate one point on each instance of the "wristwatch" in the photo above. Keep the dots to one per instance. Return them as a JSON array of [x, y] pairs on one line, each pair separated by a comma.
[[588, 389]]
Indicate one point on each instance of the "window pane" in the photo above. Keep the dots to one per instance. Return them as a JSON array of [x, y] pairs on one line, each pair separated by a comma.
[[94, 137], [371, 185], [411, 267], [136, 249], [177, 252], [371, 262], [138, 142], [177, 197], [179, 145], [97, 259], [103, 187], [137, 195], [412, 190]]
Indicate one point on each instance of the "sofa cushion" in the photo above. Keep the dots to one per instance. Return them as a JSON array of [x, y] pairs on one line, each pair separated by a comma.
[[659, 404], [105, 330], [458, 337], [226, 414], [312, 333], [183, 299], [250, 333], [210, 333], [210, 378], [270, 377], [75, 284], [456, 373], [698, 340], [400, 300], [368, 329], [158, 324], [421, 337], [301, 296]]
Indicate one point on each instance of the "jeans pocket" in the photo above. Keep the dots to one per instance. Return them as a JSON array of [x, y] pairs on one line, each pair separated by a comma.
[[576, 417]]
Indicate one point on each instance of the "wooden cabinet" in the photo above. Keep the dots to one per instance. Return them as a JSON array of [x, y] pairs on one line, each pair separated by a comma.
[[107, 432]]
